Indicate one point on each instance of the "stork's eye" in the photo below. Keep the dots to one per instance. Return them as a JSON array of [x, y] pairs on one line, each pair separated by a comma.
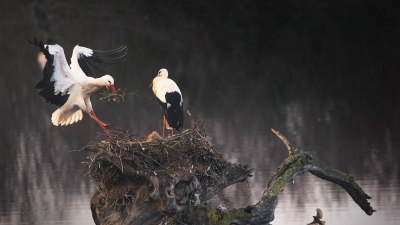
[[109, 82]]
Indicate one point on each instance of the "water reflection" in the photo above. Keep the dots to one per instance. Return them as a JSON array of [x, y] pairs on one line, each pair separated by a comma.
[[334, 96]]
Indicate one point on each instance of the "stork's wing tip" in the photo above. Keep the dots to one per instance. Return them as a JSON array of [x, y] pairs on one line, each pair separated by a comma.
[[33, 41], [36, 42]]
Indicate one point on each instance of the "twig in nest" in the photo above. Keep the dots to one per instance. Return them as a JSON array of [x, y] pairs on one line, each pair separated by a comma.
[[194, 124]]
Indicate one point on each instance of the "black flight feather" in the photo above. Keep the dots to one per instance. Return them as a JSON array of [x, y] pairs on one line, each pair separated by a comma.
[[46, 86], [90, 64]]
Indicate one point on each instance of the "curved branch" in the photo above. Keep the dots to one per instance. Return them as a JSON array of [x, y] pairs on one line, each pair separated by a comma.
[[284, 140], [347, 182], [296, 165]]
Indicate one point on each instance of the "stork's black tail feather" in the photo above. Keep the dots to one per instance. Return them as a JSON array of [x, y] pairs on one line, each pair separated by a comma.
[[174, 112]]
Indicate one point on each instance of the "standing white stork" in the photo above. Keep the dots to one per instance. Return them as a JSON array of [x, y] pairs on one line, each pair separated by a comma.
[[170, 99], [70, 87]]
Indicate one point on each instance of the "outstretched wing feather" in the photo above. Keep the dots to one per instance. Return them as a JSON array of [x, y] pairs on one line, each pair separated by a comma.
[[89, 60], [56, 82]]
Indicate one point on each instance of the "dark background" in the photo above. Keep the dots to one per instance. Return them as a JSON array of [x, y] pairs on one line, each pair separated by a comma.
[[324, 73]]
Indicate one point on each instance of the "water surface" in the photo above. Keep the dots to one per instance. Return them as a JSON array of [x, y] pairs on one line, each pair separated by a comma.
[[329, 87]]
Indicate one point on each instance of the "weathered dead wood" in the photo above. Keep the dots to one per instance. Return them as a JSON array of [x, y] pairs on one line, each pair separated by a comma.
[[141, 180], [170, 194], [294, 166]]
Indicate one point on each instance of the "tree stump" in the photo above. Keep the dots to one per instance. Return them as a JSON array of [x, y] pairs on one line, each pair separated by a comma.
[[151, 180]]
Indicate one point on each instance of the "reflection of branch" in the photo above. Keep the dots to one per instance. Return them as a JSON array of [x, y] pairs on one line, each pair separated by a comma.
[[317, 219]]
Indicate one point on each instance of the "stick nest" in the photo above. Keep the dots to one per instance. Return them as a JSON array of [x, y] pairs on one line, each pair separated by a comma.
[[127, 156]]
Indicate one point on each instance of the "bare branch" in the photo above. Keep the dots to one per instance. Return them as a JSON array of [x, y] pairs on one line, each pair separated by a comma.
[[284, 140]]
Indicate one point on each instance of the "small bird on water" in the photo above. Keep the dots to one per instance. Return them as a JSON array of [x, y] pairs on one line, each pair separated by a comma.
[[70, 86], [169, 97]]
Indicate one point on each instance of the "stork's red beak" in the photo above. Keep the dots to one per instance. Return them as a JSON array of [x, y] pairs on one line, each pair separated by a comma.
[[116, 97]]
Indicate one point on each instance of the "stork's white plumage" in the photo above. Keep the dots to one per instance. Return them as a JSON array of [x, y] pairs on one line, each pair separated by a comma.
[[169, 97], [69, 86]]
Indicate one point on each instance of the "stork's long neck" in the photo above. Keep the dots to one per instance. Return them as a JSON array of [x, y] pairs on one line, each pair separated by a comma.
[[155, 83]]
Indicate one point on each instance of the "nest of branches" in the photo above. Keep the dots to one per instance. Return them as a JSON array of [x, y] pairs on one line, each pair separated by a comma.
[[150, 174], [127, 156]]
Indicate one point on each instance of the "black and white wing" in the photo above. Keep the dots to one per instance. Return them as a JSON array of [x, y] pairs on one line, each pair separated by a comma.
[[169, 97], [87, 60], [57, 78]]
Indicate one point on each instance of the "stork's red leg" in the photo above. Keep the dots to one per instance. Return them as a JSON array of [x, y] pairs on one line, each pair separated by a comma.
[[101, 123], [163, 126]]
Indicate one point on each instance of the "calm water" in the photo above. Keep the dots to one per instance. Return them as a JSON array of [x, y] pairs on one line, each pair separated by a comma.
[[331, 89]]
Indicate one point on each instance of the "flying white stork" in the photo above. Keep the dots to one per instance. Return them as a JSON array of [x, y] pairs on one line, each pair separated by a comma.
[[70, 87], [170, 99]]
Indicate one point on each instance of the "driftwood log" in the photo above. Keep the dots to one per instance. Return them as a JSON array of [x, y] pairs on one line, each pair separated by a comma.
[[168, 181]]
